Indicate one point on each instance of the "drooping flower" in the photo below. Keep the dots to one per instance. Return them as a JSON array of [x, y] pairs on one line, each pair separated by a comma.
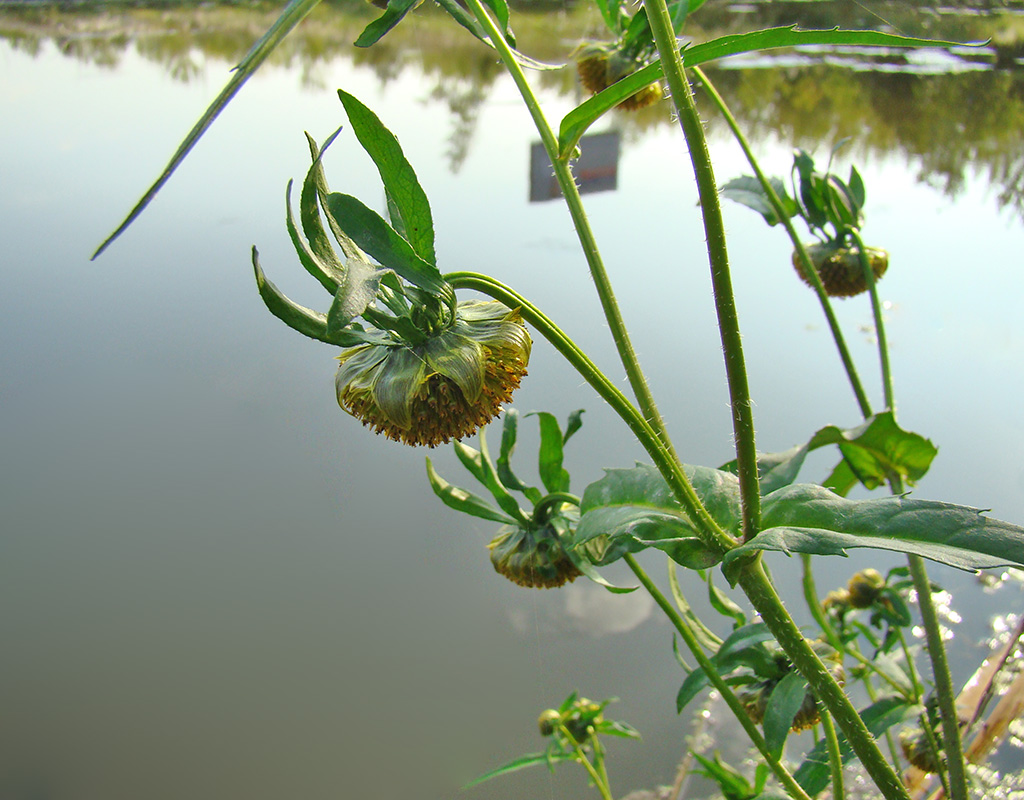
[[532, 557], [416, 365], [443, 387], [602, 65], [839, 267]]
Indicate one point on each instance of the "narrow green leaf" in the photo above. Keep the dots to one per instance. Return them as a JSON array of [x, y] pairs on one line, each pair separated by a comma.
[[479, 463], [783, 704], [293, 14], [573, 424], [742, 638], [393, 14], [509, 433], [732, 782], [554, 477], [857, 187], [299, 318], [500, 9], [576, 122], [318, 256], [806, 518], [814, 773], [724, 605], [461, 500], [529, 760], [707, 638], [397, 174], [371, 233]]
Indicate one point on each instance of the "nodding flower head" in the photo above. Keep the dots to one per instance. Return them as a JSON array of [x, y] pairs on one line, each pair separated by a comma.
[[443, 387], [532, 557], [416, 365], [601, 65]]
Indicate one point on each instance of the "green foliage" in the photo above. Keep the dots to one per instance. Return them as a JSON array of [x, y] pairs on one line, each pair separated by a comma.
[[806, 518]]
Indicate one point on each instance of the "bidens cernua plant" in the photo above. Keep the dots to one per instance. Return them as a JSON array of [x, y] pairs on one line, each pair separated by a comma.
[[417, 365]]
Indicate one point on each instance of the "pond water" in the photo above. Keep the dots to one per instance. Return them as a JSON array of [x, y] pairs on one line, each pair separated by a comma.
[[216, 584]]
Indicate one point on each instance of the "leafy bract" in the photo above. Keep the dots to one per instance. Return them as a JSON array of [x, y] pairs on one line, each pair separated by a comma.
[[631, 509], [461, 500], [396, 173], [807, 518], [748, 191], [576, 122]]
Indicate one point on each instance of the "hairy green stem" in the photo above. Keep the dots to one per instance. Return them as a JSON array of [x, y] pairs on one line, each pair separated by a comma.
[[835, 757], [762, 594], [876, 310], [709, 530], [787, 223], [581, 758], [571, 193], [943, 680], [721, 280], [728, 695]]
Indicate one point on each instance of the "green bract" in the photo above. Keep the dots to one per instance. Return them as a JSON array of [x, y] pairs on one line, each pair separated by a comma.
[[417, 366]]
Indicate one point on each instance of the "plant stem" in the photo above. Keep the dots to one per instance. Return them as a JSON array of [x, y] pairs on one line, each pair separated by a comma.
[[721, 280], [581, 757], [759, 590], [709, 530], [814, 605], [835, 758], [787, 223], [785, 776], [943, 680], [876, 310], [567, 184]]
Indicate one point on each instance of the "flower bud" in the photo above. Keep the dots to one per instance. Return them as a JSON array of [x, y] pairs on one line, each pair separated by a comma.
[[533, 558], [864, 588]]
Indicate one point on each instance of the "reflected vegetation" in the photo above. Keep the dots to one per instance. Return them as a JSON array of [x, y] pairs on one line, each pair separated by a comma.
[[890, 102]]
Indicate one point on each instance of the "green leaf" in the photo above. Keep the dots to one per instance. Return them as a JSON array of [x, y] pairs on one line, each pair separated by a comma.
[[293, 14], [479, 463], [814, 773], [576, 122], [707, 638], [509, 433], [552, 474], [318, 256], [806, 518], [573, 424], [783, 705], [396, 173], [871, 451], [748, 191], [500, 9], [393, 14], [629, 510], [529, 760], [723, 604], [857, 187], [299, 318], [372, 234], [732, 782], [743, 646], [461, 500]]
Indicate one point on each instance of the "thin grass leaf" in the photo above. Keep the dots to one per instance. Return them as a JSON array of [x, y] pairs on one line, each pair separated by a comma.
[[293, 14]]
